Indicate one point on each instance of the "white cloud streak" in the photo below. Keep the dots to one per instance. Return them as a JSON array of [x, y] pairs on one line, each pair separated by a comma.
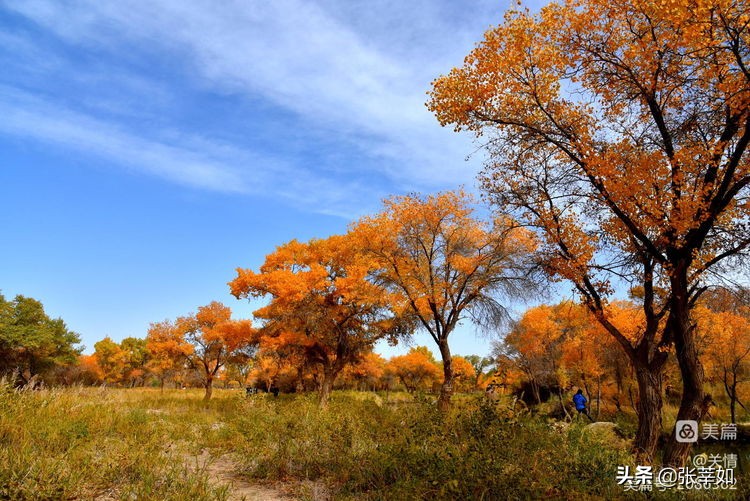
[[365, 86], [188, 160]]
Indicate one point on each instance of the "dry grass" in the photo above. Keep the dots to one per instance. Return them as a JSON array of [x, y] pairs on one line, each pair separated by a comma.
[[116, 444]]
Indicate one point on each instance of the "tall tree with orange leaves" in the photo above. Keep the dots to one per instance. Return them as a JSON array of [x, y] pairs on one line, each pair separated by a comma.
[[535, 345], [619, 130], [448, 263], [202, 341], [321, 298], [213, 337], [167, 350], [368, 373]]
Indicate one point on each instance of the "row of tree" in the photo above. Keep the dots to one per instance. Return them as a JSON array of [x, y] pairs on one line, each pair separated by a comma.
[[143, 362], [422, 263], [551, 349]]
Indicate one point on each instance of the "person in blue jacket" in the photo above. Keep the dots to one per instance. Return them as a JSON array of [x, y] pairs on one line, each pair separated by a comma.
[[580, 402]]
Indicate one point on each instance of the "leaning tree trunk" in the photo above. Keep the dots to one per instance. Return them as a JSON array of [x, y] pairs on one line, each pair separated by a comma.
[[694, 402], [446, 390], [209, 388], [568, 417], [535, 390], [649, 412], [324, 393]]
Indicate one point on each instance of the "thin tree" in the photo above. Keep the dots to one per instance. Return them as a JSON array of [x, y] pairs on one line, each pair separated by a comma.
[[214, 338], [448, 263]]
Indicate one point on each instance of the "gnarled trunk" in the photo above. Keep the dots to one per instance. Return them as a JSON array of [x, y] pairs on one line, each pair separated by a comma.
[[694, 402], [324, 393], [731, 389], [446, 390], [209, 385], [649, 412]]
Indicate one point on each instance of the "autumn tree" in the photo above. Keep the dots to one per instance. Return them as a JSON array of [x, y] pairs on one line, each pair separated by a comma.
[[464, 374], [367, 373], [32, 343], [240, 363], [287, 350], [111, 360], [581, 357], [213, 337], [167, 349], [726, 336], [136, 359], [562, 346], [266, 369], [482, 366], [449, 264], [416, 370], [619, 131], [87, 371], [83, 371], [534, 345], [321, 296], [506, 373]]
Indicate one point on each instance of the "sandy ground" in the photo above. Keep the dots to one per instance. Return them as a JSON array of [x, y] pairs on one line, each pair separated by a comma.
[[221, 472]]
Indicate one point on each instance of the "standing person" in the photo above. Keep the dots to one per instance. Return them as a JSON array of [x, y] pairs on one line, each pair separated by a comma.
[[580, 402]]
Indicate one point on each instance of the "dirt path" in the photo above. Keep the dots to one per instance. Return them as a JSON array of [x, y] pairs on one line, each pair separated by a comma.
[[221, 472]]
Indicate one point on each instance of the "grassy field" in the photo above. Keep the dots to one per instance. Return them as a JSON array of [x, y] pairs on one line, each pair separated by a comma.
[[109, 444]]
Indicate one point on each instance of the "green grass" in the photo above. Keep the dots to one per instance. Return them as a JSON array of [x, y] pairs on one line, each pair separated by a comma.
[[84, 443]]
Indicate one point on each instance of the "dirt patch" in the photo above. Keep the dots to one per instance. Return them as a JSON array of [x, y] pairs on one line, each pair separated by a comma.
[[221, 471]]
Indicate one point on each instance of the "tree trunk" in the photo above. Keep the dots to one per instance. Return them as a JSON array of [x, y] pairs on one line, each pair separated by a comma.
[[446, 390], [325, 388], [209, 388], [568, 417], [693, 404], [733, 397], [649, 413], [535, 391]]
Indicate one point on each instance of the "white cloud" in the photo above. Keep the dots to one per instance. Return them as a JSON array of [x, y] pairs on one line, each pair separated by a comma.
[[25, 115], [362, 81], [188, 160]]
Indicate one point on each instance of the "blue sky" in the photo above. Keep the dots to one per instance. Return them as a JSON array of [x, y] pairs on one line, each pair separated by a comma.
[[150, 148]]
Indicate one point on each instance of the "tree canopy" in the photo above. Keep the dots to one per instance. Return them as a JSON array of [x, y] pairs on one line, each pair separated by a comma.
[[31, 342], [448, 263], [618, 129], [321, 299]]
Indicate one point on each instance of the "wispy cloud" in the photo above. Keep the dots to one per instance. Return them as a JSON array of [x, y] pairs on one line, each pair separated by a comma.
[[26, 115], [188, 160], [341, 72]]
